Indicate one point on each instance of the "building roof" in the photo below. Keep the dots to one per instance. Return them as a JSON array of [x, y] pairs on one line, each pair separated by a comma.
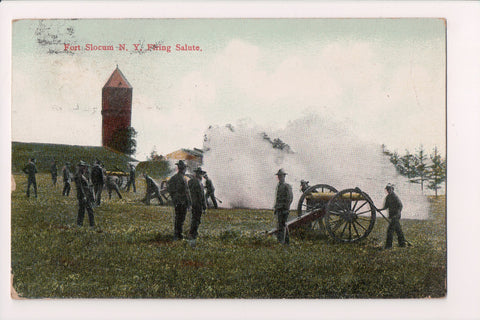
[[185, 154], [117, 80]]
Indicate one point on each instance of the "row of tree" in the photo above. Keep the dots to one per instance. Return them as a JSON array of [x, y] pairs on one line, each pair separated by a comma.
[[429, 170]]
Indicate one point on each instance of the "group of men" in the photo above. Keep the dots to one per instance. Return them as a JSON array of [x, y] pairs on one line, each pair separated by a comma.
[[89, 180], [283, 199], [188, 194]]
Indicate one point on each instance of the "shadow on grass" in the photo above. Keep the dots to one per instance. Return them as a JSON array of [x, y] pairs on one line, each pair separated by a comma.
[[160, 240]]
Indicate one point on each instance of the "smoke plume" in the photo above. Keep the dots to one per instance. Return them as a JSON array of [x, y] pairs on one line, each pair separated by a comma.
[[242, 161]]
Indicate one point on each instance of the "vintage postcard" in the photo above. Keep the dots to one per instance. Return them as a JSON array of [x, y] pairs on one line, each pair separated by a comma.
[[229, 157]]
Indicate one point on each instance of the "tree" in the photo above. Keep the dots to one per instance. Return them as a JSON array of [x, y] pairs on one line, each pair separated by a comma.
[[395, 159], [420, 167], [154, 156], [124, 140], [436, 171], [406, 165]]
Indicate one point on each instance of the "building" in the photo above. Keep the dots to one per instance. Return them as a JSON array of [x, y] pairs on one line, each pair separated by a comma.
[[116, 106], [193, 158]]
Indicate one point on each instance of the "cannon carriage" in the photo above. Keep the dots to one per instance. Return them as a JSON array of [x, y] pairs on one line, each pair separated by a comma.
[[121, 175], [347, 215]]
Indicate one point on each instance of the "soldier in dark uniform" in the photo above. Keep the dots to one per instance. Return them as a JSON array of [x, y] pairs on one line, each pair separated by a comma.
[[153, 191], [394, 206], [199, 204], [210, 191], [85, 194], [131, 180], [31, 169], [112, 184], [53, 171], [180, 194], [304, 185], [98, 180], [67, 179], [283, 200]]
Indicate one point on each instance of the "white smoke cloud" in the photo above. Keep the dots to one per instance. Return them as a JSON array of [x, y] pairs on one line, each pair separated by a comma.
[[243, 165]]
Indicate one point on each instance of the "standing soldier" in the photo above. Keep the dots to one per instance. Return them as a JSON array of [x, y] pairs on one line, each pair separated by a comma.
[[304, 185], [112, 184], [31, 169], [53, 171], [152, 190], [283, 200], [178, 189], [131, 180], [394, 206], [98, 181], [67, 179], [210, 191], [199, 205], [85, 195]]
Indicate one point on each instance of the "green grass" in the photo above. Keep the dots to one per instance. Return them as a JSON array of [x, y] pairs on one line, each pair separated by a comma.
[[133, 256], [44, 153]]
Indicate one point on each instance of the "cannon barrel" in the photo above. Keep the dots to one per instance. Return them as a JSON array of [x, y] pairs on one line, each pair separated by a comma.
[[327, 196]]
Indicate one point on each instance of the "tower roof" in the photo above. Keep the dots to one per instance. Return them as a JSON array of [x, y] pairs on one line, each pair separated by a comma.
[[117, 80]]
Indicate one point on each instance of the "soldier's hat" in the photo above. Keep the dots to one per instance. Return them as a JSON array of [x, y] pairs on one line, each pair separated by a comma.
[[180, 164], [199, 170], [281, 172], [303, 182], [390, 187]]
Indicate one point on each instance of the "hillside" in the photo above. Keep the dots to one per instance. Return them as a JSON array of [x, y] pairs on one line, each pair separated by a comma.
[[45, 152]]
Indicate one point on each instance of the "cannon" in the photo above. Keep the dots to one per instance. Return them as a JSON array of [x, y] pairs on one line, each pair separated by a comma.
[[122, 177], [347, 215]]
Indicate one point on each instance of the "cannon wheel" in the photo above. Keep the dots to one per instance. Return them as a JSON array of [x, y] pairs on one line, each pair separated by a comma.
[[304, 208], [349, 218]]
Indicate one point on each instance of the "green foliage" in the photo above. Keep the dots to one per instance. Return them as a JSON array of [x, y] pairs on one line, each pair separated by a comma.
[[44, 154], [155, 169], [132, 254], [419, 168], [123, 140], [437, 172], [407, 165]]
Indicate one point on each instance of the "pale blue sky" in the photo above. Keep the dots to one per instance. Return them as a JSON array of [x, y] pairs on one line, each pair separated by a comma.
[[383, 78]]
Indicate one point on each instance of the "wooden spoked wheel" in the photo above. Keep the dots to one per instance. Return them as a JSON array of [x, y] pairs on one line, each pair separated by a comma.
[[350, 215]]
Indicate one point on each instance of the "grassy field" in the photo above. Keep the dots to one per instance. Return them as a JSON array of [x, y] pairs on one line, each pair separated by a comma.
[[132, 255]]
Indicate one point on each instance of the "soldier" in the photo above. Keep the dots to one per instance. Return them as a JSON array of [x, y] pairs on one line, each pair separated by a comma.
[[112, 184], [31, 169], [199, 204], [53, 171], [304, 185], [210, 191], [283, 200], [394, 206], [98, 180], [180, 194], [67, 179], [131, 180], [85, 194], [153, 191]]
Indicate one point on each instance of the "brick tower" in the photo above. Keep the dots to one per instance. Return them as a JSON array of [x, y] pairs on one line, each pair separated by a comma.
[[116, 106]]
